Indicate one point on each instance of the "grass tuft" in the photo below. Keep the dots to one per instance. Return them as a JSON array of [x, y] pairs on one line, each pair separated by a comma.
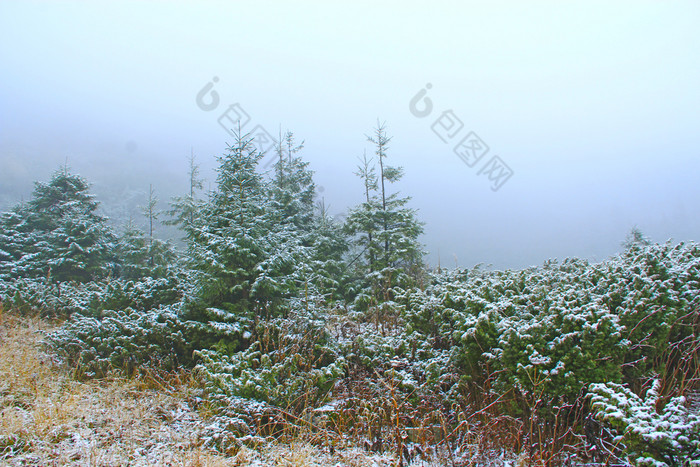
[[48, 418]]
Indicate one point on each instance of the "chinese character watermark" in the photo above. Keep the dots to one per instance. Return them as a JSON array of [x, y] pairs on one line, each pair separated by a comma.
[[447, 126], [497, 172], [234, 116], [470, 148]]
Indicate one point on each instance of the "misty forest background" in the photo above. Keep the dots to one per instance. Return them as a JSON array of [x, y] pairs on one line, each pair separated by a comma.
[[295, 319]]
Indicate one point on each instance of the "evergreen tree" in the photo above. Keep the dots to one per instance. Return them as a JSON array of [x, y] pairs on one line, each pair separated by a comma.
[[399, 227], [635, 240], [307, 245], [150, 211], [363, 221], [329, 248], [386, 231], [228, 241], [79, 249], [293, 188], [14, 242], [151, 214], [289, 214], [185, 209], [57, 234], [140, 255]]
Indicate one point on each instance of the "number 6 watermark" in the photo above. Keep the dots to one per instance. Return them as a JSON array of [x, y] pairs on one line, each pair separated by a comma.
[[208, 99]]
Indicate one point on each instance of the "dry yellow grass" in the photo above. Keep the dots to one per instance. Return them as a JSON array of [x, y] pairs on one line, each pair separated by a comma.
[[48, 418]]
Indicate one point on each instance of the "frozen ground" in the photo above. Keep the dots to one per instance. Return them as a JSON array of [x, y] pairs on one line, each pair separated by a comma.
[[48, 418]]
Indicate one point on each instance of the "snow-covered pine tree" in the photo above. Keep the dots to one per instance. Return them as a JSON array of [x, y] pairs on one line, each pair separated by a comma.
[[229, 240], [307, 248], [385, 229], [14, 242], [363, 220], [293, 188], [399, 227], [149, 210], [184, 210], [57, 234], [140, 255], [227, 243], [330, 245], [289, 214]]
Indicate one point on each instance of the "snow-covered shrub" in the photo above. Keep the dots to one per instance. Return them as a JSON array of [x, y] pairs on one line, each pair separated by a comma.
[[123, 341], [539, 330], [291, 364], [237, 421], [655, 291], [557, 353], [374, 351], [555, 329], [45, 298], [138, 295], [652, 431], [394, 381], [62, 299]]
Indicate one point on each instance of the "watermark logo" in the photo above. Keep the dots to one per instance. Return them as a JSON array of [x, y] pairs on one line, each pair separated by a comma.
[[420, 100], [264, 141], [497, 172], [447, 126], [470, 148], [233, 117], [207, 98]]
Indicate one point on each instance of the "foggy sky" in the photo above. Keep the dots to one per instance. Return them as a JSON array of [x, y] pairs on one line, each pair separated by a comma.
[[594, 106]]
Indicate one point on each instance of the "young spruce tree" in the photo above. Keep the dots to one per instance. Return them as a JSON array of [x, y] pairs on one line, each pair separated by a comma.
[[385, 229], [58, 234], [184, 210], [228, 243]]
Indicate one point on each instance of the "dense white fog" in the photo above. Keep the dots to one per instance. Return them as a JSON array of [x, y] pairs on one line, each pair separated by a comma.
[[592, 106]]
